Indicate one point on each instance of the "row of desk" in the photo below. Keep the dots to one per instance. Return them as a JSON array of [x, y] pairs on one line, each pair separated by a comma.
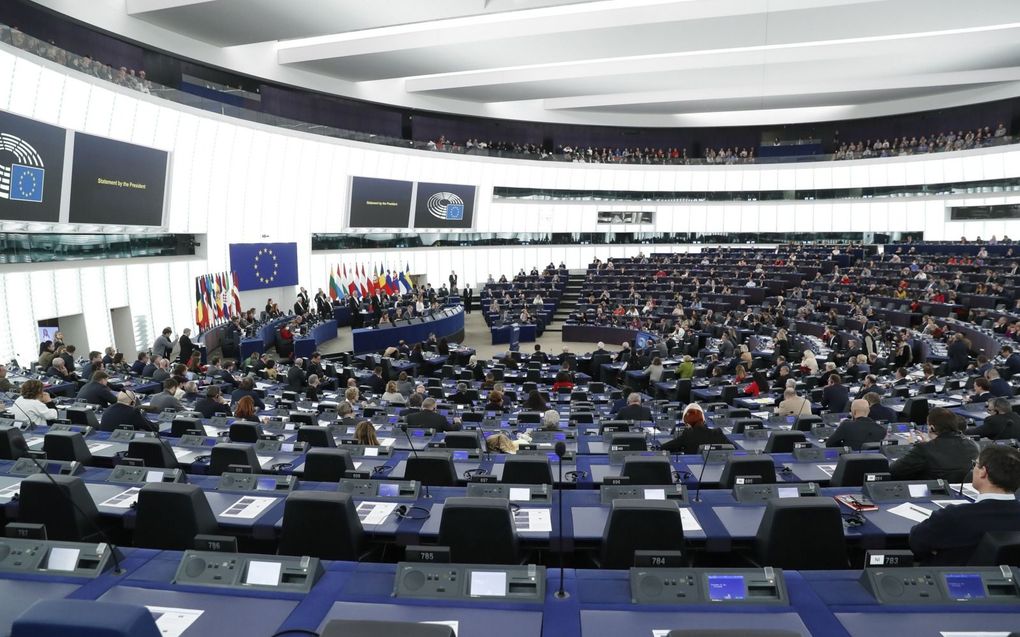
[[447, 323]]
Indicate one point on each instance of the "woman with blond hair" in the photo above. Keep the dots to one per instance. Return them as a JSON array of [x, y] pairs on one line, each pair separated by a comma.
[[809, 364]]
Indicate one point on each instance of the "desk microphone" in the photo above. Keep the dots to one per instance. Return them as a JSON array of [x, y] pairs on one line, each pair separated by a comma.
[[22, 446], [561, 450], [706, 452], [403, 427]]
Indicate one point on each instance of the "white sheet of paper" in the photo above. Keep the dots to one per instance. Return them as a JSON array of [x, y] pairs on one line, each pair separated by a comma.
[[375, 513], [918, 490], [979, 633], [122, 500], [659, 633], [37, 442], [62, 559], [263, 573], [172, 622], [154, 476], [371, 452], [946, 503], [180, 453], [9, 492], [533, 521], [96, 447], [248, 507], [357, 465], [264, 460], [968, 491], [520, 494], [911, 512], [655, 494], [828, 469], [488, 584], [453, 624], [688, 521], [210, 430], [387, 442]]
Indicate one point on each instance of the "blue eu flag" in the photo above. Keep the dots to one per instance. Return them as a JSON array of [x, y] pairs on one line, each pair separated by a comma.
[[455, 211], [264, 265], [26, 183]]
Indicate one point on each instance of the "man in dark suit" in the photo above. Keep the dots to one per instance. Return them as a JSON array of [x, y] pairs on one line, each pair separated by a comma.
[[296, 376], [950, 535], [124, 412], [94, 364], [948, 455], [140, 363], [634, 410], [957, 354], [429, 418], [247, 388], [59, 370], [877, 411], [982, 391], [461, 397], [225, 374], [1012, 361], [376, 381], [858, 429], [999, 386], [212, 403], [152, 364], [95, 392], [414, 402], [869, 386], [836, 395], [187, 347], [538, 355], [1002, 423]]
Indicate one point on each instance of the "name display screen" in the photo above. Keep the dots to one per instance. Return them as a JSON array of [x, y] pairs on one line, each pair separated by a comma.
[[723, 588], [117, 183], [965, 586]]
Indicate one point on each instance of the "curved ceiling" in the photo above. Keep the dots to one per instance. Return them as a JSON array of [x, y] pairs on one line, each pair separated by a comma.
[[617, 62]]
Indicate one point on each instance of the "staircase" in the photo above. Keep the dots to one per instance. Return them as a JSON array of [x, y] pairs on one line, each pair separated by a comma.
[[568, 302]]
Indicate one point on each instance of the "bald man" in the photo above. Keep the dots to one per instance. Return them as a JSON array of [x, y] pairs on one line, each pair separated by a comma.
[[858, 429]]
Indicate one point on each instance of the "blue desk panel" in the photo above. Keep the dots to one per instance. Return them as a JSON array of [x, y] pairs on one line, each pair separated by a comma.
[[378, 339], [501, 335]]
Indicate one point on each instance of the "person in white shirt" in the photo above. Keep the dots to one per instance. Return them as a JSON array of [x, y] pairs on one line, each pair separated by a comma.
[[34, 405], [792, 404]]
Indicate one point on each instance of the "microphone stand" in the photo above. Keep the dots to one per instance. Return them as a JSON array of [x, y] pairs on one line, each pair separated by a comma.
[[99, 531], [561, 450], [428, 496], [704, 464]]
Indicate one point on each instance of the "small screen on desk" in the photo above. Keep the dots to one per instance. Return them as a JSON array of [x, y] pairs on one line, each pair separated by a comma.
[[287, 447], [53, 467], [265, 484], [389, 490], [788, 492], [62, 559], [460, 455], [560, 436], [209, 442], [552, 456], [418, 432], [964, 586], [902, 428], [488, 584], [726, 587]]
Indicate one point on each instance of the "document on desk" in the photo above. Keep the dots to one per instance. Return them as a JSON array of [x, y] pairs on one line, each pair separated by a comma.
[[123, 500], [946, 503], [827, 469], [977, 633], [180, 453], [9, 492], [968, 491], [96, 447], [248, 507], [36, 442], [172, 622], [453, 624], [210, 430], [688, 521], [264, 461], [533, 521], [911, 511], [387, 442], [375, 513]]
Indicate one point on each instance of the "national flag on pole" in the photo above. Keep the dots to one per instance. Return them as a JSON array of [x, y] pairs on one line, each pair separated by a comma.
[[381, 281], [333, 287], [199, 309], [405, 279], [341, 288], [348, 283], [390, 288], [363, 282], [236, 292]]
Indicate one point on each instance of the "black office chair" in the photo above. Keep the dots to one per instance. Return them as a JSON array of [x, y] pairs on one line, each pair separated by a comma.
[[527, 470], [654, 470], [323, 464], [245, 432], [741, 425], [806, 423], [432, 469], [851, 468], [181, 425], [997, 548], [738, 412], [784, 441], [322, 524], [153, 453], [762, 468], [66, 509], [462, 440], [169, 516], [12, 443], [82, 416], [529, 417], [915, 410], [380, 628], [479, 531], [628, 442], [801, 534], [316, 437], [636, 525], [66, 445], [728, 393], [226, 453]]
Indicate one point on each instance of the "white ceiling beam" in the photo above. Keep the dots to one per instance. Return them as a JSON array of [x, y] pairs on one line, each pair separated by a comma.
[[136, 7], [772, 89], [706, 58], [585, 16]]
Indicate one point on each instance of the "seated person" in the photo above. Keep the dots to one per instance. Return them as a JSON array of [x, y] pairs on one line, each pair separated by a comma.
[[166, 399], [793, 405], [246, 388], [878, 411], [948, 454], [212, 403], [245, 410], [429, 418], [364, 434], [125, 413], [535, 402], [391, 395], [551, 420], [858, 429], [501, 443], [96, 391], [494, 402], [563, 381], [695, 433], [950, 535], [461, 396], [634, 410], [1002, 423]]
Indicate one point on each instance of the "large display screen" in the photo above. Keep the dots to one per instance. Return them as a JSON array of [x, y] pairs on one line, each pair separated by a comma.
[[31, 169], [116, 183], [444, 206], [380, 203]]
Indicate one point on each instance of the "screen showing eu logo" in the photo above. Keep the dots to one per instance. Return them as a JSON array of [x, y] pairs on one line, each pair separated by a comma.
[[31, 157]]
